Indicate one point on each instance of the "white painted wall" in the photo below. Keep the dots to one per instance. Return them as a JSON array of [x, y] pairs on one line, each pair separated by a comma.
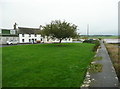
[[64, 40], [38, 38], [3, 40], [57, 40], [27, 37]]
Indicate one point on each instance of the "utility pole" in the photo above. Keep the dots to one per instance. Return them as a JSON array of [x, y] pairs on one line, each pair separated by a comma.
[[87, 30], [119, 20], [40, 27]]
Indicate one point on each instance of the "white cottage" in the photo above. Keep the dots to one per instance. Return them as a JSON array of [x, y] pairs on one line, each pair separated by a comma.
[[29, 35]]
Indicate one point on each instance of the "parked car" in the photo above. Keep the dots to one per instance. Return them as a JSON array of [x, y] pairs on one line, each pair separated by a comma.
[[11, 42], [38, 41]]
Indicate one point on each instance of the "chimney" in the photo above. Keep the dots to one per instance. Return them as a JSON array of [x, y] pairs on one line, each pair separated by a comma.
[[40, 27], [15, 26]]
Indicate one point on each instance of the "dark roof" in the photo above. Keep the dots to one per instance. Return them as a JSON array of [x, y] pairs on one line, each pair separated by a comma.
[[25, 30]]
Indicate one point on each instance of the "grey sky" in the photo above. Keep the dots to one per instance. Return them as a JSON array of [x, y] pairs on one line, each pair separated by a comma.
[[102, 15]]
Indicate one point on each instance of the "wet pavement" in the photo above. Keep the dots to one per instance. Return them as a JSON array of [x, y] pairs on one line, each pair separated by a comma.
[[108, 77]]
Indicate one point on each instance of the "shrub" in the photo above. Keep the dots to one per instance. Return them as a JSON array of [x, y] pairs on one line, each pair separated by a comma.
[[89, 41], [96, 42], [99, 38]]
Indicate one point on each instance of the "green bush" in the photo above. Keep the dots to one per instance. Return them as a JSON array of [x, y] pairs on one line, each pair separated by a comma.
[[100, 38], [96, 42], [89, 41]]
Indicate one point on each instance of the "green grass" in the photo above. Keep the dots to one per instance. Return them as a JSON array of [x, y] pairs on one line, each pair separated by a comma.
[[95, 68], [102, 37], [97, 58], [46, 65]]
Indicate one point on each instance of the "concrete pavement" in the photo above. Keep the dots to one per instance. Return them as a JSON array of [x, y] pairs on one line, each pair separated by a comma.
[[108, 77]]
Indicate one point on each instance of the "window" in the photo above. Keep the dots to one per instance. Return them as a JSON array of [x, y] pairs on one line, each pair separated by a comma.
[[69, 39], [35, 35], [12, 31], [29, 40], [22, 35], [22, 40], [29, 35], [0, 31], [5, 31], [41, 39]]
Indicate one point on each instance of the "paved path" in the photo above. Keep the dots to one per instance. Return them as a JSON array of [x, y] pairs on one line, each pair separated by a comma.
[[108, 77]]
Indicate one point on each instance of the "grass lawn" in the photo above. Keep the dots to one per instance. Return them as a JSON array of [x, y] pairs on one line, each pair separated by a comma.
[[46, 65]]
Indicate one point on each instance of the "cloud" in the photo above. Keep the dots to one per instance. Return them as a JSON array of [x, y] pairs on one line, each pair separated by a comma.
[[100, 14]]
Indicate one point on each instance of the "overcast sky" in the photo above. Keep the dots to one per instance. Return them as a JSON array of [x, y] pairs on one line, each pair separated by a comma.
[[101, 15]]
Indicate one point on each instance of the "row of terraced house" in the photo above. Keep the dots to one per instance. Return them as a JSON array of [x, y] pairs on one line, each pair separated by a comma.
[[26, 35]]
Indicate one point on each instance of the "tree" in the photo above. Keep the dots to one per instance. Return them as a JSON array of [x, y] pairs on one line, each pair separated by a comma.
[[59, 30]]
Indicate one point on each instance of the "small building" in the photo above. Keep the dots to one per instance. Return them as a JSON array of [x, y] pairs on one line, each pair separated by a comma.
[[29, 35], [7, 35]]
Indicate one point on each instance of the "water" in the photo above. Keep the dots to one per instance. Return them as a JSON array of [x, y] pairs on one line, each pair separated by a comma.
[[112, 40]]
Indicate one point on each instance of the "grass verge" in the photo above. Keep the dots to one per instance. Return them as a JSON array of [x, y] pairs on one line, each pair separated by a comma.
[[97, 58], [95, 68], [113, 51]]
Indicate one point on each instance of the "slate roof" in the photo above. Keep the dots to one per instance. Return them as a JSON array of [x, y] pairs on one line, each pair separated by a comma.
[[25, 30]]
